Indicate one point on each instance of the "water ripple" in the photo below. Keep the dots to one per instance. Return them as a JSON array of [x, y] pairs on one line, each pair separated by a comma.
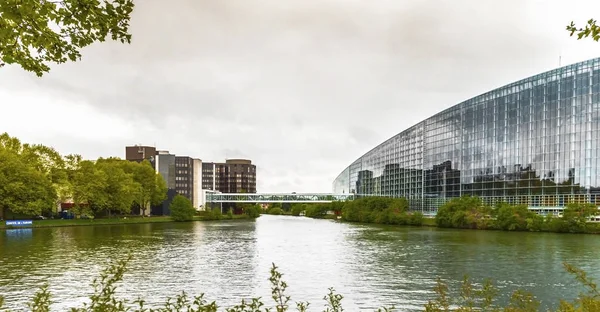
[[370, 265]]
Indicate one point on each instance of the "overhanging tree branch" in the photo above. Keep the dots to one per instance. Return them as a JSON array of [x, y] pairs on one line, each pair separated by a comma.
[[48, 32]]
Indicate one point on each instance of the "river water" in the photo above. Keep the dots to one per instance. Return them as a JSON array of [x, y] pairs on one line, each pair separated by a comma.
[[369, 265]]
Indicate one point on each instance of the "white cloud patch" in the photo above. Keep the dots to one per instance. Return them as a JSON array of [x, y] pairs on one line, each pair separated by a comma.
[[300, 87]]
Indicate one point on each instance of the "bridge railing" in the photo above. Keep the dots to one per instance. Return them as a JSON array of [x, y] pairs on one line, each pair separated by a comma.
[[276, 197]]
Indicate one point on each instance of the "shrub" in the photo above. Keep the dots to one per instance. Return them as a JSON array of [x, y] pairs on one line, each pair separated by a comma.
[[464, 212], [275, 211], [297, 209], [253, 211], [215, 214], [182, 209]]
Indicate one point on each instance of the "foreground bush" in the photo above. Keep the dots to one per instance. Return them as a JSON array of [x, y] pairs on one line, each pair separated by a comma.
[[468, 298]]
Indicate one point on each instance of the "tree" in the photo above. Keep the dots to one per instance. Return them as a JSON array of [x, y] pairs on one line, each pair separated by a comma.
[[89, 185], [591, 29], [37, 32], [23, 189], [182, 209], [152, 187], [120, 188], [43, 159]]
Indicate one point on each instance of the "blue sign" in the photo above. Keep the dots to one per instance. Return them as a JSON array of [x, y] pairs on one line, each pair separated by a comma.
[[19, 222]]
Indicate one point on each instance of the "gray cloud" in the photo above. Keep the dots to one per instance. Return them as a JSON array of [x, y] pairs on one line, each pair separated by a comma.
[[304, 87]]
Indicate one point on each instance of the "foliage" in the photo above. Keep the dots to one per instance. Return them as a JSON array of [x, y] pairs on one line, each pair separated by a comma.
[[464, 212], [182, 209], [513, 218], [275, 211], [591, 29], [89, 184], [35, 179], [38, 32], [120, 187], [23, 189], [470, 297], [381, 210], [297, 209], [469, 212], [317, 210], [152, 187], [215, 214], [275, 205], [253, 211]]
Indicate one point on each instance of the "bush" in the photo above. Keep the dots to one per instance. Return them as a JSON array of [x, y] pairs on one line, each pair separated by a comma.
[[297, 209], [317, 210], [275, 211], [215, 214], [182, 209], [464, 212], [253, 211]]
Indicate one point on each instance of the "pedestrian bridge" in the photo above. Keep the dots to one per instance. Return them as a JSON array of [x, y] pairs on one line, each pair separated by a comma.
[[276, 198]]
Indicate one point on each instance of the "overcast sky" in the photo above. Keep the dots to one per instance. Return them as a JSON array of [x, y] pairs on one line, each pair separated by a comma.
[[302, 88]]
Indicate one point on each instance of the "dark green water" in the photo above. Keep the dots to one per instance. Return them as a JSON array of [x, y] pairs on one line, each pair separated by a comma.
[[371, 266]]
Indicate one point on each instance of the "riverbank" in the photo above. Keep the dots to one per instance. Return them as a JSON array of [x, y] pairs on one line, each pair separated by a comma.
[[109, 221]]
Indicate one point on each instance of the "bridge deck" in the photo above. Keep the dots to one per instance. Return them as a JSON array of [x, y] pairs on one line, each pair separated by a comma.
[[276, 198]]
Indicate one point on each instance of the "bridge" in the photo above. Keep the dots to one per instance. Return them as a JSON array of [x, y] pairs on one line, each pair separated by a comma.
[[259, 198]]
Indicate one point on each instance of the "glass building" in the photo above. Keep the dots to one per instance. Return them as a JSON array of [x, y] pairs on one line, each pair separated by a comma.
[[535, 142]]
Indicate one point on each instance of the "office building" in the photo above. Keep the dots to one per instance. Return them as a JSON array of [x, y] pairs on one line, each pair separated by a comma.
[[534, 142], [181, 174], [232, 176]]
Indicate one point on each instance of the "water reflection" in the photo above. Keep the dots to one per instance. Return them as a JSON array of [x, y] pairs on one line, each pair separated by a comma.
[[369, 265]]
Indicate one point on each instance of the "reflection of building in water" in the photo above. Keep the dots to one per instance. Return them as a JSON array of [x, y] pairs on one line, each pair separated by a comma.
[[534, 142]]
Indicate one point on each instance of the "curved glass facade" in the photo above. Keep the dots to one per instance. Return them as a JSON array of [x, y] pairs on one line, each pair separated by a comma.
[[535, 142]]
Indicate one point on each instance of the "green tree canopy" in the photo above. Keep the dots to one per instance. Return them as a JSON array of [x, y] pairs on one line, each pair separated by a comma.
[[182, 209], [23, 189], [89, 187], [152, 187], [34, 33], [120, 188]]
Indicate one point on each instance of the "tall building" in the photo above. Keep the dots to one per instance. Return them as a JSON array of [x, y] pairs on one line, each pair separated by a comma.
[[190, 177], [182, 174], [232, 176], [534, 142]]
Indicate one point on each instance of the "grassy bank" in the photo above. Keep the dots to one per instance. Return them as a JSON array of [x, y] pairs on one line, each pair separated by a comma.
[[429, 222], [106, 221]]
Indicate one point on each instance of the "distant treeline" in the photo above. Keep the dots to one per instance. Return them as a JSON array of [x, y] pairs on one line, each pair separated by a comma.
[[36, 179], [464, 212], [381, 210]]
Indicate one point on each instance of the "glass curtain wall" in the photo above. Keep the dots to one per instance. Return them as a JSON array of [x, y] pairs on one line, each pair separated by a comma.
[[533, 142]]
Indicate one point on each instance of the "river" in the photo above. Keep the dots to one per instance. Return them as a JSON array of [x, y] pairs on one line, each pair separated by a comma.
[[369, 265]]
